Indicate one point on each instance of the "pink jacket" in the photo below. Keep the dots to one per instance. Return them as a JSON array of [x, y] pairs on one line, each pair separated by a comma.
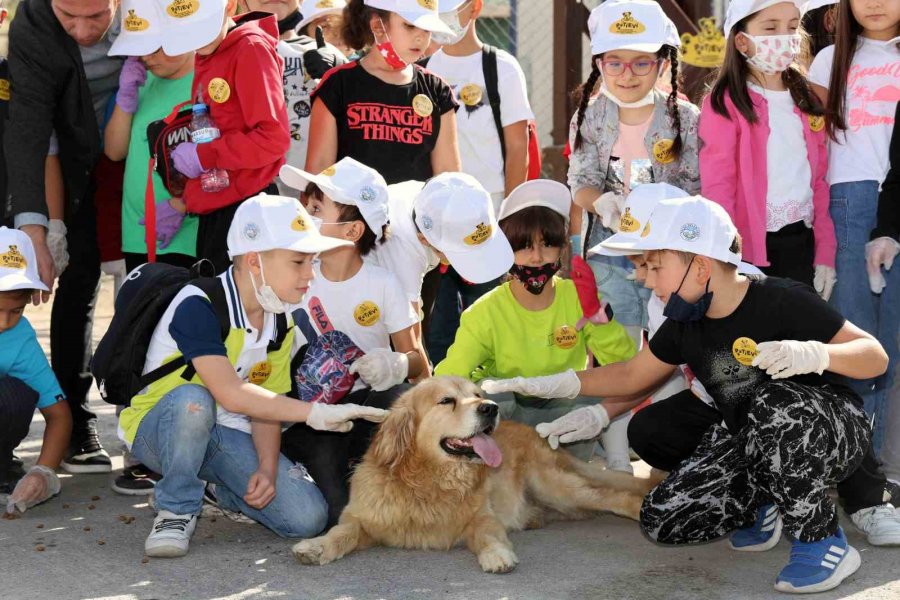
[[733, 173]]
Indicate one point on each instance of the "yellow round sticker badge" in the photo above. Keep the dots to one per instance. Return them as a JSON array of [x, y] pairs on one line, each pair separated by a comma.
[[259, 373], [299, 224], [422, 105], [328, 171], [662, 151], [816, 123], [470, 94], [481, 234], [429, 4], [4, 89], [134, 22], [565, 337], [628, 224], [183, 8], [366, 313], [219, 90], [744, 350]]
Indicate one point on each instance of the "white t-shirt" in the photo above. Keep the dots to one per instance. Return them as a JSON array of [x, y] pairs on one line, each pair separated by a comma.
[[479, 142], [787, 164], [297, 90], [873, 90]]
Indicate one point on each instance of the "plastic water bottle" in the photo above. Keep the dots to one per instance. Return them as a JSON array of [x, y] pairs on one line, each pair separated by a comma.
[[203, 131]]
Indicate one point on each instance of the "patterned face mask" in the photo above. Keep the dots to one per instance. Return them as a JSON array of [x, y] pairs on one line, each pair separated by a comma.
[[535, 278], [774, 53], [386, 49]]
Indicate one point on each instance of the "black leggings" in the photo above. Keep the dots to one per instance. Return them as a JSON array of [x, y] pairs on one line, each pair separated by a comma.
[[791, 252], [17, 404]]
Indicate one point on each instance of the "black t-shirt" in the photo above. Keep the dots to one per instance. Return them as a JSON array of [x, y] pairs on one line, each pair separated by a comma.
[[391, 128], [719, 351]]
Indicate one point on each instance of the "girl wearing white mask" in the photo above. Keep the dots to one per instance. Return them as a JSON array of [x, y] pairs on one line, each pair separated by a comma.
[[764, 156]]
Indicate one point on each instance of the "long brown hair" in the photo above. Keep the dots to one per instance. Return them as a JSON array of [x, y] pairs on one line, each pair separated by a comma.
[[846, 39], [356, 30]]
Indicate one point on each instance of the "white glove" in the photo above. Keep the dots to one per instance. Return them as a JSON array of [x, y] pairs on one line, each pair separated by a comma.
[[609, 208], [39, 485], [339, 417], [824, 280], [382, 369], [788, 358], [114, 267], [56, 242], [880, 251], [585, 423], [561, 385]]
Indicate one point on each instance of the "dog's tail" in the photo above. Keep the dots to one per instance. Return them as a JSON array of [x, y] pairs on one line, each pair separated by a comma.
[[598, 474]]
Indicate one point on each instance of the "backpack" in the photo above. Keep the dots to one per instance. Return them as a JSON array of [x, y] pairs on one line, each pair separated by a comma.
[[491, 83], [320, 371]]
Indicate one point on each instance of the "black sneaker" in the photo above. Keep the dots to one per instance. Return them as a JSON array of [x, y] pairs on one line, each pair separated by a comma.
[[137, 480], [86, 454]]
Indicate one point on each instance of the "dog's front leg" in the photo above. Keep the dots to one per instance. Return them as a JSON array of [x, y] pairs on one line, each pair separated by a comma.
[[345, 537], [486, 537]]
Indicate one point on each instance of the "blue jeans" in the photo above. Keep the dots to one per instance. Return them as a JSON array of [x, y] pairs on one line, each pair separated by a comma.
[[179, 438], [627, 298], [853, 210], [453, 297]]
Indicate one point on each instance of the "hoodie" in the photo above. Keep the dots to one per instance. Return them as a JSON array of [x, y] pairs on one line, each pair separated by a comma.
[[241, 82]]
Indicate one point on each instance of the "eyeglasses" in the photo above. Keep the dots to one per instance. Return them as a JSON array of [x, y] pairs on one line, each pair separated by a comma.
[[638, 68]]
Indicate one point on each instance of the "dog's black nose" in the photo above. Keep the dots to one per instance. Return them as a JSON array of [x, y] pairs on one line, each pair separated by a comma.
[[488, 409]]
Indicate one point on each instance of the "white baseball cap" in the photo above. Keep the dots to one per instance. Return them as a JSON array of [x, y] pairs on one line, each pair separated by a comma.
[[18, 265], [741, 9], [421, 13], [445, 6], [814, 4], [315, 9], [456, 215], [537, 192], [693, 224], [141, 30], [191, 24], [268, 222], [639, 206], [639, 25], [348, 181]]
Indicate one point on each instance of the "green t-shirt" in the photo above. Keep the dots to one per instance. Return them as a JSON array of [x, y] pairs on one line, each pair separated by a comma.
[[498, 338], [156, 99]]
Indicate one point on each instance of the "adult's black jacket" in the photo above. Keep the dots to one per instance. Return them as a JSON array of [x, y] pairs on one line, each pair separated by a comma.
[[889, 200]]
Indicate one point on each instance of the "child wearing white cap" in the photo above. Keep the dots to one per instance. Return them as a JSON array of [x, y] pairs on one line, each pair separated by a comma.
[[528, 326], [775, 358], [26, 383], [218, 418]]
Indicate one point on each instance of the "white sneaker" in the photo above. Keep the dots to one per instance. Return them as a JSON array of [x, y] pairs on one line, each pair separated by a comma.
[[171, 535], [211, 507], [881, 524]]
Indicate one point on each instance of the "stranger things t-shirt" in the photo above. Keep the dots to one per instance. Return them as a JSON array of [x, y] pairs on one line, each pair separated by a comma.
[[720, 351], [391, 128]]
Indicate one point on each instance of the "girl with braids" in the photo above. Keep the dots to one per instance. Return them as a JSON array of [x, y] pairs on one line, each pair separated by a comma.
[[763, 155]]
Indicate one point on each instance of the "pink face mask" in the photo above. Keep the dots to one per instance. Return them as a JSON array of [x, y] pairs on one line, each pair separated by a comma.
[[774, 53], [386, 48]]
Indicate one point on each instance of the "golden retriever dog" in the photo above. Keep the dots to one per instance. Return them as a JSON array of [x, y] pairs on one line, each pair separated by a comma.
[[440, 470]]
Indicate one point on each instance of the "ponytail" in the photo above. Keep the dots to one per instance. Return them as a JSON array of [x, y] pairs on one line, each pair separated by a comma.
[[586, 90], [671, 53]]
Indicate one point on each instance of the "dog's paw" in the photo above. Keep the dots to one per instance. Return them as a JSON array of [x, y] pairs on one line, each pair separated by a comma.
[[311, 552], [498, 559]]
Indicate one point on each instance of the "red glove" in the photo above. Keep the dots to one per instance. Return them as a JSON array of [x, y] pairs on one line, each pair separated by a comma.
[[592, 308]]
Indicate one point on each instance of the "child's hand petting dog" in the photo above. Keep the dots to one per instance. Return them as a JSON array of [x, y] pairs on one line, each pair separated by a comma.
[[339, 417], [382, 369]]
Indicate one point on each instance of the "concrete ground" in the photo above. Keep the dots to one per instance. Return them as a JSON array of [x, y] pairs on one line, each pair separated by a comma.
[[84, 545]]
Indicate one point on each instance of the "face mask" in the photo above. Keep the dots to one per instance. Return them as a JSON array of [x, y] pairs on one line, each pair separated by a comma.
[[265, 295], [386, 49], [451, 20], [679, 309], [535, 278], [774, 53], [645, 101]]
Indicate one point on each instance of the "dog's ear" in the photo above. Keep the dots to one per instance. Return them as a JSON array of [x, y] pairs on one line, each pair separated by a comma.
[[394, 437]]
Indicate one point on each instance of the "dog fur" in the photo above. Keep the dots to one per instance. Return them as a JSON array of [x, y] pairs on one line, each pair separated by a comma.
[[409, 492]]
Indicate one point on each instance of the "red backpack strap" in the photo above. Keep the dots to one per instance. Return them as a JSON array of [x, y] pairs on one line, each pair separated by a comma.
[[150, 214], [175, 110]]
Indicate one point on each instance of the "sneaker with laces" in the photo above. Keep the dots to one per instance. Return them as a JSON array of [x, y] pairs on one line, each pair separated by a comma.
[[881, 524], [818, 566], [211, 507], [171, 535], [86, 454], [136, 480], [762, 535]]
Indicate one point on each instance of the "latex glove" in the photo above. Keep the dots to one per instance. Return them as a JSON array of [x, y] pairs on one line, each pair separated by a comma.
[[790, 357], [186, 161], [339, 417], [880, 252], [609, 208], [56, 241], [114, 267], [824, 281], [382, 369], [317, 62], [132, 77], [561, 385], [584, 423], [168, 222], [39, 485]]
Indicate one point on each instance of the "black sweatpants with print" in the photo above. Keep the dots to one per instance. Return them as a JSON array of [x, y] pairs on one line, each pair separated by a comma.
[[798, 441]]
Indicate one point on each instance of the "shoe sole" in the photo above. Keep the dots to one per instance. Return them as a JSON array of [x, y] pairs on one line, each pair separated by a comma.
[[165, 552], [131, 491], [80, 469], [884, 541], [768, 545], [848, 567]]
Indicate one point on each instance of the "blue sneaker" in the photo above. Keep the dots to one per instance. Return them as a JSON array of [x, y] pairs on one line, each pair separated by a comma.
[[762, 535], [818, 566]]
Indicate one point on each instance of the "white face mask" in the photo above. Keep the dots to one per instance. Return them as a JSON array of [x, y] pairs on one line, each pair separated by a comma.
[[645, 101], [451, 20], [774, 53], [265, 295]]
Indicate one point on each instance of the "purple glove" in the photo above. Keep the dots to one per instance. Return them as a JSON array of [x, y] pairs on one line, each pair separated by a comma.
[[185, 159], [133, 76], [168, 222]]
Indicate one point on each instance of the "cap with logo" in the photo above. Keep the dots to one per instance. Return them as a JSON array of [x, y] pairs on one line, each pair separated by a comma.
[[18, 265], [179, 26], [141, 30], [316, 9], [639, 25], [741, 9], [276, 223], [348, 181], [456, 215], [693, 224], [421, 13], [537, 192], [639, 206]]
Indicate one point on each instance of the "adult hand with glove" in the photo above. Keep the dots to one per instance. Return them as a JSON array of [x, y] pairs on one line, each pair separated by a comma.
[[339, 417], [382, 369], [824, 280], [561, 385], [317, 62], [168, 222], [789, 358], [880, 252], [56, 241], [609, 208], [131, 78], [186, 160], [584, 423], [39, 485]]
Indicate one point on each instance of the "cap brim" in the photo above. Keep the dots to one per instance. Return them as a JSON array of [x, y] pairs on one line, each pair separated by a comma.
[[429, 22], [300, 179], [180, 39], [317, 243], [602, 250], [135, 45], [604, 48], [13, 282], [514, 208], [328, 11], [483, 263]]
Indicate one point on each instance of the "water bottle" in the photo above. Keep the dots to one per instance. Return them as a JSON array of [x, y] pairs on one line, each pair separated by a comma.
[[203, 131]]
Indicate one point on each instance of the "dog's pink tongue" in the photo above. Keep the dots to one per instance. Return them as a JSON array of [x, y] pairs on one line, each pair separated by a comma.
[[485, 447]]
